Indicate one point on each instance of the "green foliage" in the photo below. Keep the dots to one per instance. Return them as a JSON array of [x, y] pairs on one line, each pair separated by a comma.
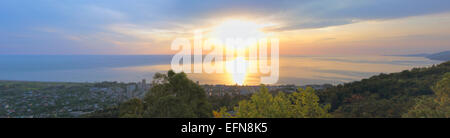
[[174, 95], [384, 95], [227, 101], [222, 113], [306, 105], [442, 90], [436, 106], [420, 92], [262, 104], [133, 108]]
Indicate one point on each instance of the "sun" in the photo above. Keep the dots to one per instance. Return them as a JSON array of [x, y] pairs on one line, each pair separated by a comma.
[[238, 29]]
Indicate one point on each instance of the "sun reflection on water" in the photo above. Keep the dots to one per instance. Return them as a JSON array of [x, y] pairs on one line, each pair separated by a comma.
[[237, 68]]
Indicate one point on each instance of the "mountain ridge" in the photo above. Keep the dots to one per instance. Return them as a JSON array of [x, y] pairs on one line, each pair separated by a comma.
[[441, 56]]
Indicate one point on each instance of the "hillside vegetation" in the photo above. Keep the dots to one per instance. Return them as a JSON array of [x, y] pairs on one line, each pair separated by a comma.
[[420, 92], [384, 95]]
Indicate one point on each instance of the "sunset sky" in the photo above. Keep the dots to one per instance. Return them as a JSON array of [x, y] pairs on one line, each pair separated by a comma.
[[309, 27]]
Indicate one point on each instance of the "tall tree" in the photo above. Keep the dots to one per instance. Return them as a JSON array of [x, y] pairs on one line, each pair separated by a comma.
[[306, 105], [133, 108], [302, 104], [174, 95]]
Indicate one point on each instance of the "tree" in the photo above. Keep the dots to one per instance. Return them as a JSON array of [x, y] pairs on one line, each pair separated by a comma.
[[262, 104], [174, 95], [222, 113], [133, 108], [436, 106], [306, 105]]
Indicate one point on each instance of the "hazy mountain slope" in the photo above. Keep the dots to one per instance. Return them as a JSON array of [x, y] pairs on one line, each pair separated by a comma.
[[443, 56]]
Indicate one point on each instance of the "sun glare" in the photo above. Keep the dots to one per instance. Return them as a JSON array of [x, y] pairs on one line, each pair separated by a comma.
[[238, 70], [238, 29]]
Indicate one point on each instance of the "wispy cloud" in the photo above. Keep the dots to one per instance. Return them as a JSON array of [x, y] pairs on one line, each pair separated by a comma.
[[152, 24], [103, 12]]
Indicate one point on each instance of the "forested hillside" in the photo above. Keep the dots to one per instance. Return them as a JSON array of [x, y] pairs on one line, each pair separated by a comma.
[[384, 95]]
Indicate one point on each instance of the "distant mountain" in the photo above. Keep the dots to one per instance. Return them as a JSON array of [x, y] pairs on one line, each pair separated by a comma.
[[413, 55], [419, 55], [443, 56]]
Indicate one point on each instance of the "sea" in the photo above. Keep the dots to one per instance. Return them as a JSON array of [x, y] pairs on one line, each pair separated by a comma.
[[298, 70]]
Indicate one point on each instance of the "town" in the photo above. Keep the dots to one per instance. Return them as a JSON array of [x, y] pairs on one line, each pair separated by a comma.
[[60, 99]]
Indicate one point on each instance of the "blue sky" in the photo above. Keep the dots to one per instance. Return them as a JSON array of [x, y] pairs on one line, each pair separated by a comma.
[[148, 26]]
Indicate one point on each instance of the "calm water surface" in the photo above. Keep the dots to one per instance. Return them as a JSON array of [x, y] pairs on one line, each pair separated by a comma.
[[293, 70]]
